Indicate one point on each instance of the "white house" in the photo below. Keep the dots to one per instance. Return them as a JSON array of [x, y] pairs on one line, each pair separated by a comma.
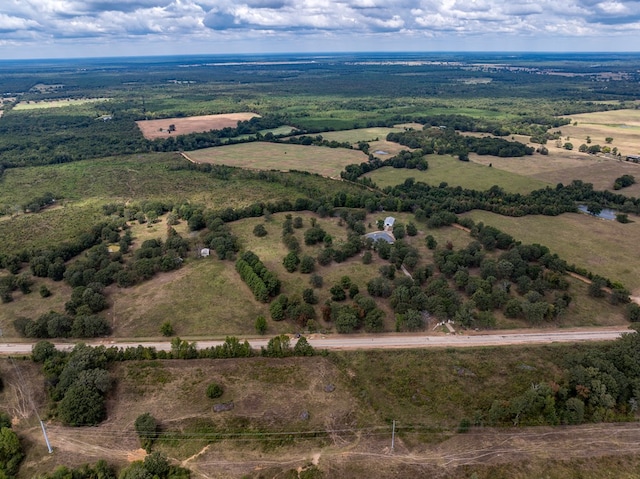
[[204, 252]]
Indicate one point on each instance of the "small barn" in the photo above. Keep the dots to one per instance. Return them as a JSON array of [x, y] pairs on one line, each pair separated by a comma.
[[205, 252], [388, 222]]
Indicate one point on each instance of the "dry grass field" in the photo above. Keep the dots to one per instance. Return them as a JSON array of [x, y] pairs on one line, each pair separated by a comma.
[[324, 161], [352, 423], [621, 125], [152, 129], [38, 105]]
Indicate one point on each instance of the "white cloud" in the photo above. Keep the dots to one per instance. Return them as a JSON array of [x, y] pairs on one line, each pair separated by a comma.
[[334, 20]]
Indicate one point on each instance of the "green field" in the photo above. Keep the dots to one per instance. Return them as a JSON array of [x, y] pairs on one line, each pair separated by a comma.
[[445, 168], [270, 156]]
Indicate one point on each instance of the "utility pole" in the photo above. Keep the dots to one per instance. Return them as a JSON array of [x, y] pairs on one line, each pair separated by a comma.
[[393, 435]]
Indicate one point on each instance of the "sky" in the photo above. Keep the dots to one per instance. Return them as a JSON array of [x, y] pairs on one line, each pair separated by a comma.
[[89, 28]]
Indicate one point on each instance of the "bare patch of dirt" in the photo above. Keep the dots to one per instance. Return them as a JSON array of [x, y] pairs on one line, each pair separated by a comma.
[[136, 455], [152, 129]]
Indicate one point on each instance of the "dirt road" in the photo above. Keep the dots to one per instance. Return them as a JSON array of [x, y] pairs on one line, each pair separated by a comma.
[[379, 341]]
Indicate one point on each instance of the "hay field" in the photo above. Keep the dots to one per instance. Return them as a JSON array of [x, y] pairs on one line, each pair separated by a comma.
[[152, 129], [271, 156]]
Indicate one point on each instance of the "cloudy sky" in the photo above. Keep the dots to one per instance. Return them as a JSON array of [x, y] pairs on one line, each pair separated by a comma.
[[77, 28]]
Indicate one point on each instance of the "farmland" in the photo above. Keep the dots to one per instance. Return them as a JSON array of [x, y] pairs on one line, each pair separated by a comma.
[[105, 223], [166, 127]]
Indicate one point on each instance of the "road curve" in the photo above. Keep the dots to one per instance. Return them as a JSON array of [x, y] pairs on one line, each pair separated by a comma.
[[379, 341]]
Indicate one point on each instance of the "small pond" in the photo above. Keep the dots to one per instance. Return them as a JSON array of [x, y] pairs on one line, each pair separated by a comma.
[[605, 214]]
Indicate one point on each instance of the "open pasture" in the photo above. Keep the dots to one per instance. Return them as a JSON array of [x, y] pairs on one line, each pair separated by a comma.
[[200, 299], [445, 168], [42, 104], [607, 248], [271, 156], [621, 125], [152, 129]]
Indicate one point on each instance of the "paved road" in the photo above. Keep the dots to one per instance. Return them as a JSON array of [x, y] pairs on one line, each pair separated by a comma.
[[382, 341]]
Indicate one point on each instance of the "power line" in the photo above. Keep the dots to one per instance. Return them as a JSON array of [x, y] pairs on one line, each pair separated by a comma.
[[24, 385]]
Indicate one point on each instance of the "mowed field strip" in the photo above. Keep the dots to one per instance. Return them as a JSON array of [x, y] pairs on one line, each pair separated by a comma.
[[272, 156], [152, 129]]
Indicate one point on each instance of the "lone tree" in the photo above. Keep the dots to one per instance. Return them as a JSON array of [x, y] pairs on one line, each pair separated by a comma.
[[147, 430]]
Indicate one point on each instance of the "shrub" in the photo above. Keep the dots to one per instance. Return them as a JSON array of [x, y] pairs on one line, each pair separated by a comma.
[[261, 325], [633, 312], [291, 262], [309, 297], [260, 231], [464, 426], [337, 293], [214, 391], [316, 281], [166, 329], [307, 264]]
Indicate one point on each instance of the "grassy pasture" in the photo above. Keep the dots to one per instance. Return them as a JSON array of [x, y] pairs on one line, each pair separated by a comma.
[[621, 125], [42, 104], [563, 166], [131, 177], [200, 299], [270, 156], [445, 168], [374, 136], [281, 130], [605, 247]]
